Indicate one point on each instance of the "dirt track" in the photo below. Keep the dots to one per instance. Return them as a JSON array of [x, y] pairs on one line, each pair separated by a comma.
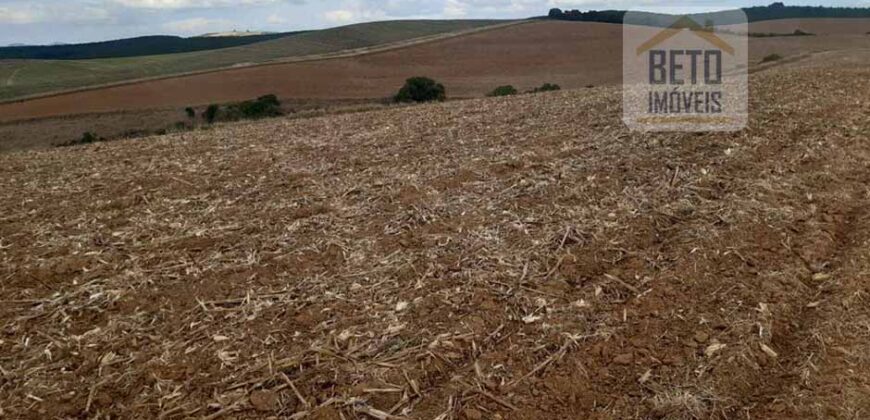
[[568, 53], [520, 258]]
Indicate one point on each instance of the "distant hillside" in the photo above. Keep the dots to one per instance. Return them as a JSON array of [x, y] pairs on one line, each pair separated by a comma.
[[28, 77], [753, 14], [779, 11], [235, 33], [133, 47]]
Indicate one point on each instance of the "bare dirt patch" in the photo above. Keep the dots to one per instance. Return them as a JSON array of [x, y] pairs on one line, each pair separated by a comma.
[[522, 258]]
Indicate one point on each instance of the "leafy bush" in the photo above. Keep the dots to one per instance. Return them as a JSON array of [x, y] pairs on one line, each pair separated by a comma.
[[87, 138], [210, 113], [269, 99], [546, 87], [262, 107], [191, 113], [421, 89], [135, 133], [503, 91], [771, 57]]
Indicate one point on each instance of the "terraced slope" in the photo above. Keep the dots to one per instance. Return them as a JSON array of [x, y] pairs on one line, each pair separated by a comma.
[[514, 258], [28, 77]]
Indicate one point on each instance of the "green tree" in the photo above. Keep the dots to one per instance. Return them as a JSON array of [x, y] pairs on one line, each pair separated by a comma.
[[263, 107], [503, 91], [546, 87], [210, 113], [421, 89], [88, 138]]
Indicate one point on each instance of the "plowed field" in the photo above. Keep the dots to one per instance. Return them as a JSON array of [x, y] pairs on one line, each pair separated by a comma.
[[516, 258]]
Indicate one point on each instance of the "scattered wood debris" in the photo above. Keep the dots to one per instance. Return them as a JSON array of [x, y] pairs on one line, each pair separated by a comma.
[[502, 258]]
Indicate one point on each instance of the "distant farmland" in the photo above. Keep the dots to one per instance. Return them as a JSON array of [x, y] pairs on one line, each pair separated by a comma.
[[28, 77], [572, 54]]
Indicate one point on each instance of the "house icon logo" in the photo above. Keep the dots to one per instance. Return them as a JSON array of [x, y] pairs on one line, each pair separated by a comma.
[[679, 75], [682, 24]]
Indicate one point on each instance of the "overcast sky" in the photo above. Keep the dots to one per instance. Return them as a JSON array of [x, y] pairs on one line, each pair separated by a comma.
[[47, 21]]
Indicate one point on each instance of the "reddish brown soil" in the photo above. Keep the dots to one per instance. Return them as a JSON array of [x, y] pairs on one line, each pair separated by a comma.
[[505, 258], [571, 54], [48, 132], [526, 56]]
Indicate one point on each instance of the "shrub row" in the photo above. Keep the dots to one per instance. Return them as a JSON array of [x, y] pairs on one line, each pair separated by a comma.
[[509, 90], [421, 89], [415, 89], [425, 89], [266, 106], [263, 107]]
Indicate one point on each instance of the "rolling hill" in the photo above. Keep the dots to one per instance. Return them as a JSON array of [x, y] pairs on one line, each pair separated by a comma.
[[28, 77], [133, 47], [572, 54]]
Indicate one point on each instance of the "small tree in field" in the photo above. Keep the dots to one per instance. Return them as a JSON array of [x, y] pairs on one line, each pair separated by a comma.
[[421, 89], [88, 138], [210, 113], [503, 91], [191, 113], [546, 87]]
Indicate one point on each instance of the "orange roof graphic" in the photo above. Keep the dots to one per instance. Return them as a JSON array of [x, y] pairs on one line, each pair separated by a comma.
[[682, 23]]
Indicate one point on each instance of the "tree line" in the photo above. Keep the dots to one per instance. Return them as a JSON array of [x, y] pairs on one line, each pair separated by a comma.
[[773, 11]]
